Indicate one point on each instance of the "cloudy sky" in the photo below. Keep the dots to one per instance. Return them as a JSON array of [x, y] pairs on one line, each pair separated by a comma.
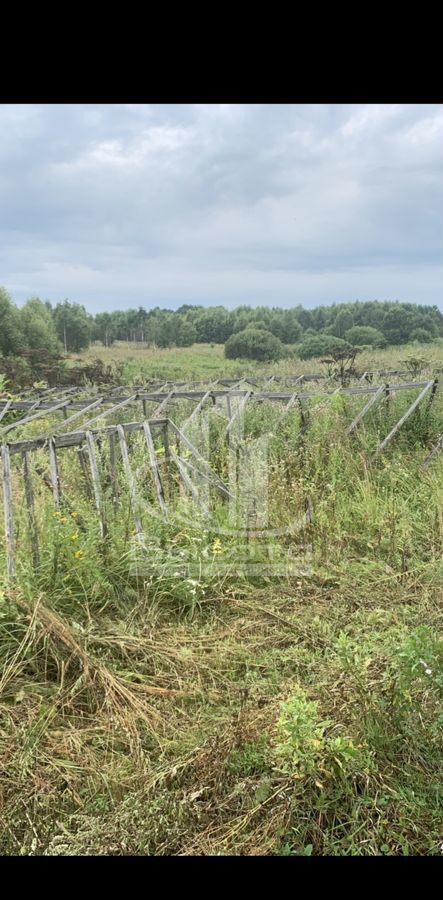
[[120, 205]]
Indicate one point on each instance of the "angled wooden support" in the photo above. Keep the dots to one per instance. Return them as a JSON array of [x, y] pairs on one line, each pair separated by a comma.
[[162, 406], [197, 409], [434, 451], [241, 406], [53, 468], [287, 409], [5, 409], [371, 402], [155, 468], [216, 480], [113, 469], [406, 415], [110, 411], [32, 524], [133, 494], [82, 412], [8, 511], [96, 484], [31, 418], [186, 481]]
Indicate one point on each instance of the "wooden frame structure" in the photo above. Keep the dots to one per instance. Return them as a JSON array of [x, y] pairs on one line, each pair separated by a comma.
[[86, 439]]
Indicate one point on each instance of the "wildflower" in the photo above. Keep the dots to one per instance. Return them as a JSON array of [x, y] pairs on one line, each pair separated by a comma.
[[74, 515], [217, 547], [74, 537], [78, 554]]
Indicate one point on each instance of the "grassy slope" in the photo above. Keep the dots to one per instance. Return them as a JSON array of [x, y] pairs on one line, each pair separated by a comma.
[[273, 716]]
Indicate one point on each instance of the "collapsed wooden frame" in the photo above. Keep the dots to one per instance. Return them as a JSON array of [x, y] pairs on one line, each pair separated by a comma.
[[86, 438]]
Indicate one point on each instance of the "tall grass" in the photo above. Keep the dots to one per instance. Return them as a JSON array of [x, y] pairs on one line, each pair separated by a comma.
[[149, 714]]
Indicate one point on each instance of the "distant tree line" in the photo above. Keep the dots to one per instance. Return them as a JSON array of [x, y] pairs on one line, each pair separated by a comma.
[[68, 326]]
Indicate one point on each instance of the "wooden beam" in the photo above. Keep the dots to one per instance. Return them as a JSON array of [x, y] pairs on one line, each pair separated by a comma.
[[96, 483], [133, 494], [217, 481], [32, 524], [187, 483], [8, 512], [406, 415], [155, 468], [53, 467], [38, 415], [109, 412], [372, 400]]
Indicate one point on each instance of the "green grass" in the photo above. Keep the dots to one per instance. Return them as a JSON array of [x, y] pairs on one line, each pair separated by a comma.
[[232, 714]]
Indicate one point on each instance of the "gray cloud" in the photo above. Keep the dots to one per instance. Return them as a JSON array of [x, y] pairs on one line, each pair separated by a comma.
[[125, 204]]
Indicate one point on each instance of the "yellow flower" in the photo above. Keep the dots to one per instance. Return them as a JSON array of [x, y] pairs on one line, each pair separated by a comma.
[[74, 515], [63, 520], [74, 537], [78, 554], [217, 547]]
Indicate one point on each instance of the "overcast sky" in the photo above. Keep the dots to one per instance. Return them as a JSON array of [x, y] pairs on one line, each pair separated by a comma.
[[120, 205]]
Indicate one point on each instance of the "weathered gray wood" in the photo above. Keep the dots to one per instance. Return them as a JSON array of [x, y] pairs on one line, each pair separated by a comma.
[[96, 483], [53, 468], [8, 512], [196, 395], [32, 523], [406, 415], [133, 494], [163, 405], [238, 411], [5, 409], [287, 409], [113, 469], [79, 414], [111, 410], [218, 483], [43, 412], [155, 468], [76, 438], [372, 400], [196, 411], [434, 451], [186, 481]]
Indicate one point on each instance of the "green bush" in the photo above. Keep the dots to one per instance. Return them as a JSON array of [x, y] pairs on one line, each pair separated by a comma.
[[421, 335], [361, 335], [319, 345], [254, 343]]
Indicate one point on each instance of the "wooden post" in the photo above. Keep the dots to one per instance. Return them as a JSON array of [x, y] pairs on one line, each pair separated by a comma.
[[29, 493], [113, 470], [154, 466], [55, 480], [96, 484], [367, 407], [408, 412], [9, 519], [130, 479]]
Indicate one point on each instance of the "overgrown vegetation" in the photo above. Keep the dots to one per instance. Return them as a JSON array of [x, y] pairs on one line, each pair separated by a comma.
[[276, 716]]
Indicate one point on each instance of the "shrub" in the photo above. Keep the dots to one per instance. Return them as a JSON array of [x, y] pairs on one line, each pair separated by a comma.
[[319, 345], [254, 343], [421, 335], [359, 335]]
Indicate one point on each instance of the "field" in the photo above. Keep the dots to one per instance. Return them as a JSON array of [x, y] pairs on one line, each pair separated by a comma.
[[229, 713]]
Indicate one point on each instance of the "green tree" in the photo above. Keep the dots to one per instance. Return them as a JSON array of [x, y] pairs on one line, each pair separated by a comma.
[[342, 323], [73, 325], [12, 338], [38, 326]]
